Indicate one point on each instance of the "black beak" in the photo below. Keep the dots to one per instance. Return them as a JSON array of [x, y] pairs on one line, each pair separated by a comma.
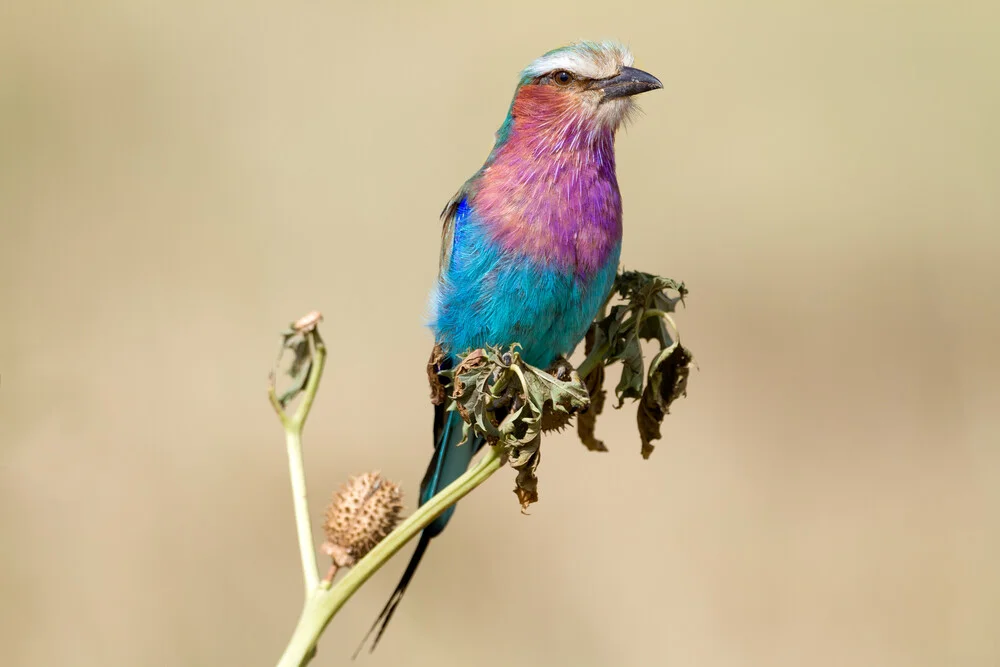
[[630, 81]]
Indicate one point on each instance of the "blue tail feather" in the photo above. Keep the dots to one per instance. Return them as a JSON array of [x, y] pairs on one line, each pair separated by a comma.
[[451, 459]]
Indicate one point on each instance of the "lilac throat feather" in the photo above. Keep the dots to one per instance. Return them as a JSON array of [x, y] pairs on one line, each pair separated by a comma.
[[549, 190]]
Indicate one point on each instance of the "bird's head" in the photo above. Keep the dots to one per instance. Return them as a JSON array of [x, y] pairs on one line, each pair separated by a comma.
[[589, 82]]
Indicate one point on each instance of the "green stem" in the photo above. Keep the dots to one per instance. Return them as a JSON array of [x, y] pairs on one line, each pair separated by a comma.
[[307, 548], [593, 360], [323, 603], [312, 384], [293, 440]]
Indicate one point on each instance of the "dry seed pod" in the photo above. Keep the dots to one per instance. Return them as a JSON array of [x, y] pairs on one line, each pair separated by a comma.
[[359, 516], [307, 322]]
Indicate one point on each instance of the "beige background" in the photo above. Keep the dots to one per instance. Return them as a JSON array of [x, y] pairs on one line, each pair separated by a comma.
[[179, 180]]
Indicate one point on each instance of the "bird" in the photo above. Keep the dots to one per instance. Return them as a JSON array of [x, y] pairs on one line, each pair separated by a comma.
[[530, 244]]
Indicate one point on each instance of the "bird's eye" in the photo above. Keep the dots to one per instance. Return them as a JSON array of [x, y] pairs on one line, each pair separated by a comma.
[[562, 77]]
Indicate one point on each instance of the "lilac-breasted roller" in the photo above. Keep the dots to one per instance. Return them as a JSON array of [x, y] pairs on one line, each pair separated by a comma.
[[530, 244]]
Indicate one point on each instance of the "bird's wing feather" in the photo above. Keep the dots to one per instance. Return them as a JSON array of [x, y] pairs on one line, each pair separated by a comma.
[[449, 217], [448, 233]]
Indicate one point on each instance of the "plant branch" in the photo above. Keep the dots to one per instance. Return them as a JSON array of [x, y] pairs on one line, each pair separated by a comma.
[[323, 603], [593, 360], [486, 380], [293, 440], [303, 526], [315, 373]]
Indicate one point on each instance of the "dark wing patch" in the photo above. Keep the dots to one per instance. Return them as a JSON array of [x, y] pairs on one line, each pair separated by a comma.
[[448, 231]]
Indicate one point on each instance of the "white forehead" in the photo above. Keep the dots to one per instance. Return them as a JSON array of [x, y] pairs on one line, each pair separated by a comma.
[[590, 60]]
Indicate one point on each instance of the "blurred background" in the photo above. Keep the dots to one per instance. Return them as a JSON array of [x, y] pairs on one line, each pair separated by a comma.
[[178, 181]]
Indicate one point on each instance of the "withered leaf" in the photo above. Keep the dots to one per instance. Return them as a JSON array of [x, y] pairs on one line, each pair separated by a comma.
[[644, 315], [504, 400], [668, 376], [630, 384], [655, 328], [526, 482], [554, 421], [295, 344], [511, 403], [545, 391], [438, 392], [471, 394], [650, 291], [586, 422]]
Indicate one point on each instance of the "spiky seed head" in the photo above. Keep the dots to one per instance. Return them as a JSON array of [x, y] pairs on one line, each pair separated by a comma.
[[359, 516]]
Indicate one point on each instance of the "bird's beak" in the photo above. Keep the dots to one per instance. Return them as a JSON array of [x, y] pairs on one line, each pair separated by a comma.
[[630, 81]]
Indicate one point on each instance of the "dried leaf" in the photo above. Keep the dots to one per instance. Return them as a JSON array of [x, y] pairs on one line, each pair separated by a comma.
[[438, 391], [630, 384], [526, 482], [505, 400], [655, 328], [556, 420], [471, 395], [650, 291], [586, 422], [295, 344], [644, 315], [668, 376], [511, 403]]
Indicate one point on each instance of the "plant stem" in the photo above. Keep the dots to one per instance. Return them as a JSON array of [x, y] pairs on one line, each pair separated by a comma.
[[293, 440], [307, 549], [315, 373], [593, 360], [322, 604]]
